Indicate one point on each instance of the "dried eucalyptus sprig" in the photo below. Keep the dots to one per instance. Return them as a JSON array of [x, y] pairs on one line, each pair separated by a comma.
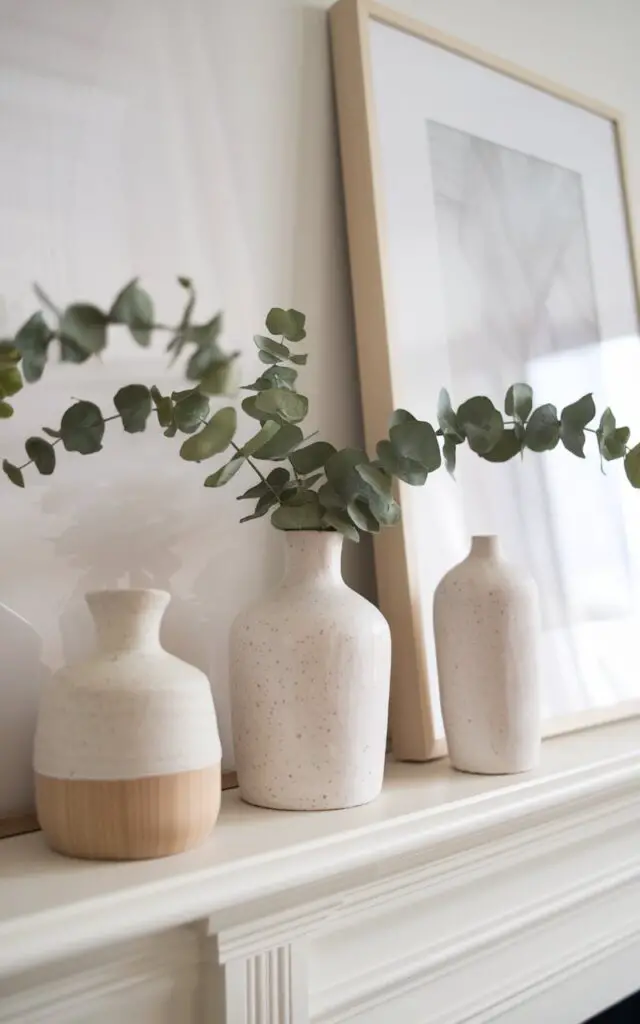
[[316, 487], [81, 331]]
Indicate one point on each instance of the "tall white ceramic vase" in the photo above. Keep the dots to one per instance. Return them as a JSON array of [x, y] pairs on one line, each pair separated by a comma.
[[310, 671], [487, 631], [127, 752]]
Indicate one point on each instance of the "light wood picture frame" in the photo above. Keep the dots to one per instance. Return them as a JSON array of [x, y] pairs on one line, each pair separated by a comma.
[[368, 175]]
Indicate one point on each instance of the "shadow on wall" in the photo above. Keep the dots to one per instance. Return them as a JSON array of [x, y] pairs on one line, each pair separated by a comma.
[[22, 673]]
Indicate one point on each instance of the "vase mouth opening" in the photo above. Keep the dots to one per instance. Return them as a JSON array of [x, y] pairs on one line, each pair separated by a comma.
[[485, 543], [130, 591]]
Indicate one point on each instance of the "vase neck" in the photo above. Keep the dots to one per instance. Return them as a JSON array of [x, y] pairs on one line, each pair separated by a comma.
[[486, 546], [128, 620], [313, 556]]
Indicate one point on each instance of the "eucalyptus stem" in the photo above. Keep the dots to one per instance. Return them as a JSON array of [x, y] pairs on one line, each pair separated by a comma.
[[255, 469]]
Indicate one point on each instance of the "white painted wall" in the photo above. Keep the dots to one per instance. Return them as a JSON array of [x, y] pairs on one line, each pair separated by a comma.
[[197, 137]]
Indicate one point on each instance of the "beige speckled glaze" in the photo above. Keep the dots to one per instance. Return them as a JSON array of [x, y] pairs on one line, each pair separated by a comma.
[[487, 629], [132, 712], [310, 669]]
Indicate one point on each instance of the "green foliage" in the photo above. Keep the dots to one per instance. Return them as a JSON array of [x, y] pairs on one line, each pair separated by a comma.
[[133, 306], [346, 491], [82, 428], [42, 454], [573, 420], [133, 402], [215, 436], [321, 488], [80, 332]]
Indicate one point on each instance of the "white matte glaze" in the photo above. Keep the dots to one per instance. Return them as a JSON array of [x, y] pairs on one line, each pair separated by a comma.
[[310, 669], [487, 629], [132, 710]]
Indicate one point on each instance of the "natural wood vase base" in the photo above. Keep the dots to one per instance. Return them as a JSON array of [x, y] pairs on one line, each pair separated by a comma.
[[128, 819]]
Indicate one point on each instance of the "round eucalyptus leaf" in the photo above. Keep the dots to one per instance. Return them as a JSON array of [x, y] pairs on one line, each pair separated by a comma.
[[225, 473], [400, 416], [416, 440], [518, 402], [82, 428], [342, 523], [543, 429], [508, 446], [376, 478], [579, 413], [42, 454], [482, 423], [266, 432], [10, 381], [213, 439], [70, 352], [279, 377], [404, 469], [32, 341], [133, 307], [281, 444], [341, 472], [249, 406], [447, 419], [9, 355], [300, 359], [307, 516], [385, 509], [632, 466], [273, 348], [313, 456], [573, 438], [13, 472], [329, 498], [288, 323], [289, 405], [612, 440], [266, 357], [133, 402], [362, 516], [86, 326], [164, 407], [190, 408], [6, 410]]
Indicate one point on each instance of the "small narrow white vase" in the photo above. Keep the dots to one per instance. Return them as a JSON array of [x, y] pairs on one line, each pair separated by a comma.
[[487, 630], [310, 671], [127, 753]]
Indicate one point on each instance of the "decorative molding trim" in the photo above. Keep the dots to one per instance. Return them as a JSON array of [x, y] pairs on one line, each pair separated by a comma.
[[464, 835], [268, 987], [555, 939]]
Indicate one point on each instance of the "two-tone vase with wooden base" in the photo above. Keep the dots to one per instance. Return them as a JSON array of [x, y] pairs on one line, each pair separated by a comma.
[[127, 752]]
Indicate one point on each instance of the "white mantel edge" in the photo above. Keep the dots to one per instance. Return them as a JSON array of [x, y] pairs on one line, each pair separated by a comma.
[[557, 850]]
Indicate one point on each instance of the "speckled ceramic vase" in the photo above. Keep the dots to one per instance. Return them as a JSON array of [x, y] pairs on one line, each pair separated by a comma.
[[310, 668], [127, 753], [487, 631]]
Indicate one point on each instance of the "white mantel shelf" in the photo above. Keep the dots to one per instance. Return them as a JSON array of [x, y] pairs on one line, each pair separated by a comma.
[[452, 898]]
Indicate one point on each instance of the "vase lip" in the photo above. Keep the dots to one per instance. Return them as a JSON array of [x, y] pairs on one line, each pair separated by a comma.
[[129, 591]]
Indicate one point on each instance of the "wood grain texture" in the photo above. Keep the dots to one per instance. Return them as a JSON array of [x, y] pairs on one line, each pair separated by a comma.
[[129, 819], [21, 824], [412, 727], [412, 730]]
